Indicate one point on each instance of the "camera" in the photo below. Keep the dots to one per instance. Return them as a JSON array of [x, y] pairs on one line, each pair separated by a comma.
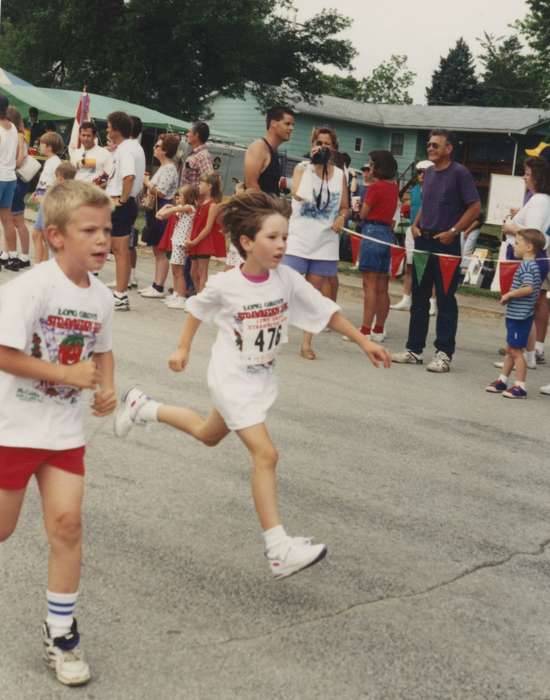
[[321, 157]]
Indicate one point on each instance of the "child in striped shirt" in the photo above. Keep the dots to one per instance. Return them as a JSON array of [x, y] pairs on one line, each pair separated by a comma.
[[520, 311]]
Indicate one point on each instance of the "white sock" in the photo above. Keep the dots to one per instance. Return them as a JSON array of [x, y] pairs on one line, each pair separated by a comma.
[[530, 356], [520, 384], [23, 257], [60, 612], [539, 347], [503, 378], [273, 537], [12, 254], [121, 295], [148, 412]]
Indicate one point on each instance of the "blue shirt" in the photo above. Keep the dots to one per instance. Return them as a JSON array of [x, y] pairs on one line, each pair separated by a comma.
[[416, 201], [446, 194], [527, 275]]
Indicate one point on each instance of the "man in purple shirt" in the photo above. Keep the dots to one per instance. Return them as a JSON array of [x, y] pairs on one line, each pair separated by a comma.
[[450, 203]]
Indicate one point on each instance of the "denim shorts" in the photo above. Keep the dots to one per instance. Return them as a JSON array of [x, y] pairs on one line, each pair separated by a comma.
[[372, 256], [7, 190], [307, 266], [18, 202], [517, 331]]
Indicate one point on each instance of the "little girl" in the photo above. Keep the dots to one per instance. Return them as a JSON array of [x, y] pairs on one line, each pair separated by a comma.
[[206, 237], [180, 221], [252, 305]]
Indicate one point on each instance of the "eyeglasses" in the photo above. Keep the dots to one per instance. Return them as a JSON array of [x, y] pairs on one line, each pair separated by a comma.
[[432, 144]]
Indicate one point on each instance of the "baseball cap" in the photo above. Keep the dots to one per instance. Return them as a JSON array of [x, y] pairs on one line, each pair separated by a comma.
[[424, 165], [365, 167]]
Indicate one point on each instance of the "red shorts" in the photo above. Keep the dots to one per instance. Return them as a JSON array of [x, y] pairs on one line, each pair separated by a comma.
[[18, 464]]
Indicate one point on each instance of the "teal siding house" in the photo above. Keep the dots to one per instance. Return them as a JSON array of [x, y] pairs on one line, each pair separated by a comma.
[[491, 139]]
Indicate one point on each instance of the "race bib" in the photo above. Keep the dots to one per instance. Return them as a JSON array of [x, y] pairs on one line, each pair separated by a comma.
[[260, 331]]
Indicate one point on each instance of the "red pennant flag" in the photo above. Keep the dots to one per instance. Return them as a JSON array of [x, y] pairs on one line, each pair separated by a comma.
[[355, 246], [447, 266], [507, 270], [397, 255]]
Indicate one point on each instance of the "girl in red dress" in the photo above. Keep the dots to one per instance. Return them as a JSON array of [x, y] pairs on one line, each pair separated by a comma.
[[206, 237]]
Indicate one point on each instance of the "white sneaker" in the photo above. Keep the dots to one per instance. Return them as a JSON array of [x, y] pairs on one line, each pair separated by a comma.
[[111, 285], [169, 297], [441, 363], [176, 303], [433, 307], [64, 656], [407, 358], [293, 555], [152, 293], [121, 303], [545, 390], [532, 364], [403, 305], [378, 337], [145, 289], [126, 415]]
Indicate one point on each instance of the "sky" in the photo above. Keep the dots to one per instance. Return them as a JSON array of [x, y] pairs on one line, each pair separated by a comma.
[[423, 30]]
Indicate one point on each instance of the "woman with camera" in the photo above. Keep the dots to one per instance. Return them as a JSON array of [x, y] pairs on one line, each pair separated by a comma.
[[320, 207]]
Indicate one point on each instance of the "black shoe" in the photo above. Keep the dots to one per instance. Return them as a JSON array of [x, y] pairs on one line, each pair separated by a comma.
[[13, 264]]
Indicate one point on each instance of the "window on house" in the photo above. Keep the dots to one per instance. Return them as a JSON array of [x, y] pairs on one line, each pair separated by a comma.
[[397, 143], [358, 145]]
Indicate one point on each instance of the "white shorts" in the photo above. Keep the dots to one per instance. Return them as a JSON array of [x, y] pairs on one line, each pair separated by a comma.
[[242, 398], [409, 245], [179, 254]]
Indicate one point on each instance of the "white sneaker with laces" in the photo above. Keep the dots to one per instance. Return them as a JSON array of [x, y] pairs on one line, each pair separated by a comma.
[[440, 364], [378, 337], [176, 303], [121, 302], [407, 358], [403, 305], [65, 657], [152, 293], [293, 555], [545, 390], [126, 415], [169, 297]]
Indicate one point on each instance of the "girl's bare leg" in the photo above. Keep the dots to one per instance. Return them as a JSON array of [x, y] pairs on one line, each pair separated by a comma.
[[208, 430]]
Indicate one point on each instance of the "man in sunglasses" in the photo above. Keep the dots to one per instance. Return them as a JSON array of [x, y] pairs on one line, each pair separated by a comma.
[[450, 203]]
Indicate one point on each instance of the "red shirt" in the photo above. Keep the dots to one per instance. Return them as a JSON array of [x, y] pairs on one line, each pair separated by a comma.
[[381, 197]]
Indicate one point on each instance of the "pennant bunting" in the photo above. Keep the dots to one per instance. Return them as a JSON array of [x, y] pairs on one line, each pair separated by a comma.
[[397, 256], [420, 260], [355, 246], [507, 270], [447, 267]]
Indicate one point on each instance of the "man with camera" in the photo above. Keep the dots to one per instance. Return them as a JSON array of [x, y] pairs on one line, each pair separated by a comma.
[[320, 208], [262, 170]]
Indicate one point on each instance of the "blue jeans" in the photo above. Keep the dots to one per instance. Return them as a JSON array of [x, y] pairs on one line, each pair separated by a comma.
[[447, 308]]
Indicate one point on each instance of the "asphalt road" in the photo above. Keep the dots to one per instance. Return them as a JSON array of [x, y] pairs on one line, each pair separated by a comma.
[[431, 495]]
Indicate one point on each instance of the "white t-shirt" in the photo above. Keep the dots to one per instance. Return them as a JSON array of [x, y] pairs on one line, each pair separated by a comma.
[[91, 164], [252, 320], [309, 230], [139, 158], [44, 314], [47, 176], [535, 214], [9, 141], [128, 159]]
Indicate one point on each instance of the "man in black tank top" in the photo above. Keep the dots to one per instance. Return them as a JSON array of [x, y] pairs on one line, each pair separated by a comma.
[[262, 170]]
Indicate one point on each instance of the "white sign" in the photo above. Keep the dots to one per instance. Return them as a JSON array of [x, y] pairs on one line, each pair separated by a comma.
[[505, 192]]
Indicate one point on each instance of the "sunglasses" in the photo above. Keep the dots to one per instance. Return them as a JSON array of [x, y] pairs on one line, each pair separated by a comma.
[[432, 144]]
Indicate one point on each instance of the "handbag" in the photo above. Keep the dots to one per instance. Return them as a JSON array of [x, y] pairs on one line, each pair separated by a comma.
[[28, 169], [149, 201]]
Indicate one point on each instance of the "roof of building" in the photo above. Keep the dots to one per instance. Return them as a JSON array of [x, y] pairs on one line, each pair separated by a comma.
[[460, 118]]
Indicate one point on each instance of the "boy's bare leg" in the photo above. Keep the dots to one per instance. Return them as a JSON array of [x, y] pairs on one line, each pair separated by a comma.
[[62, 494], [10, 507], [210, 431], [520, 364], [264, 482], [508, 364]]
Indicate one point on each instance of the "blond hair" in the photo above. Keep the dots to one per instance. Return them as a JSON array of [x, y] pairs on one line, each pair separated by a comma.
[[63, 199], [54, 141], [65, 170]]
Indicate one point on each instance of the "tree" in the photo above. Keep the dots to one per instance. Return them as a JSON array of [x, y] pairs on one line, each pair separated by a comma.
[[172, 56], [455, 82], [388, 83], [510, 77], [536, 29]]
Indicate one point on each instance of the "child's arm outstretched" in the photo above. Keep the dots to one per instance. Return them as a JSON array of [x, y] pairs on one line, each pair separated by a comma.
[[105, 397], [374, 352], [83, 375], [180, 357]]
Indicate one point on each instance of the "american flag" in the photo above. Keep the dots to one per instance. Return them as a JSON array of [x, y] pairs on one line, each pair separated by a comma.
[[82, 115]]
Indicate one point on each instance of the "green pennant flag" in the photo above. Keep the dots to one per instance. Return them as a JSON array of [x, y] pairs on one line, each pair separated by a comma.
[[420, 260]]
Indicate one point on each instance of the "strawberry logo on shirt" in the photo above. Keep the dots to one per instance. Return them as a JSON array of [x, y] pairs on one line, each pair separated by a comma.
[[70, 350]]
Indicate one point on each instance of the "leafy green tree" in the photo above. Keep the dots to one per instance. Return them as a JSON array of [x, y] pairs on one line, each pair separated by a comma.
[[347, 87], [511, 77], [172, 56], [536, 30], [455, 81]]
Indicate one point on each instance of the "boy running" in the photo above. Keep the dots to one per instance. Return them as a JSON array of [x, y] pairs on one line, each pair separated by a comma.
[[55, 340], [252, 305]]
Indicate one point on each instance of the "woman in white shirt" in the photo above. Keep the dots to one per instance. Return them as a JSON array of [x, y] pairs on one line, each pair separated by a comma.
[[535, 214], [320, 206]]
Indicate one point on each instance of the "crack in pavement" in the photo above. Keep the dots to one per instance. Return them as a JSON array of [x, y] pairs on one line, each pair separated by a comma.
[[385, 599]]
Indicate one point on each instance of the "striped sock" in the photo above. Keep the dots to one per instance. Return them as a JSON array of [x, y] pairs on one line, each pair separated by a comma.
[[60, 612]]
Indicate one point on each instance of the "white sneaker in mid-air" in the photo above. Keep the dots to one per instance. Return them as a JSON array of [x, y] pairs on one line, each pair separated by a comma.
[[126, 415], [293, 555]]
